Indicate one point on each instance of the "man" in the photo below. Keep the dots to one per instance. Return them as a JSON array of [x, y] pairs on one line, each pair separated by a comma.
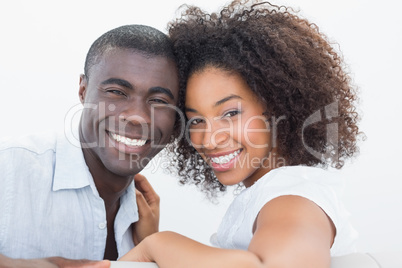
[[79, 202]]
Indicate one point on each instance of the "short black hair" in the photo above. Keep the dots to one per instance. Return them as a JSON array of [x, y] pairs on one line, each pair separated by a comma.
[[140, 38]]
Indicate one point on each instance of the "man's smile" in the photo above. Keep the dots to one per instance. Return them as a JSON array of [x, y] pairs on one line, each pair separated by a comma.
[[127, 141]]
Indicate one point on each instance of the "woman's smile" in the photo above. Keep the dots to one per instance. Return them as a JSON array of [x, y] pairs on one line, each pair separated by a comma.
[[227, 127]]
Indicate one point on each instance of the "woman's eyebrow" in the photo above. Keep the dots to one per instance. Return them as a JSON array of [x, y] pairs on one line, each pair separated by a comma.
[[190, 110], [220, 102]]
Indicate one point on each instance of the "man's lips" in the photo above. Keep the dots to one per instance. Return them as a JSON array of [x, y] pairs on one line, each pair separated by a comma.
[[132, 142]]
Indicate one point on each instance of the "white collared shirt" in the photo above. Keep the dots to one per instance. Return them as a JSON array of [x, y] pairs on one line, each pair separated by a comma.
[[49, 205], [323, 187]]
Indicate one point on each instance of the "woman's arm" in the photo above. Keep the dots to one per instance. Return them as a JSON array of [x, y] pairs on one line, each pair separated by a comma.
[[290, 231], [169, 249]]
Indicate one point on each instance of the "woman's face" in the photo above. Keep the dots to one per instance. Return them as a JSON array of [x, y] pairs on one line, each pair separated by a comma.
[[227, 126]]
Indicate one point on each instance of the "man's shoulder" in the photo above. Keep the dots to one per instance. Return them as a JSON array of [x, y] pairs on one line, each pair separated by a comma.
[[37, 143], [26, 160]]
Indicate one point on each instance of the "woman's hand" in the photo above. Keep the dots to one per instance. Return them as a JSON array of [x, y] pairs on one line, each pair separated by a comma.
[[62, 262], [148, 209], [52, 262]]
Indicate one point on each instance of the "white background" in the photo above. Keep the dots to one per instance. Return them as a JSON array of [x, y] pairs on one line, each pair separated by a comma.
[[42, 52]]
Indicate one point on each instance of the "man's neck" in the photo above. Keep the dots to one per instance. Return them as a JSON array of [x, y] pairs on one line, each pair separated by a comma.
[[110, 186]]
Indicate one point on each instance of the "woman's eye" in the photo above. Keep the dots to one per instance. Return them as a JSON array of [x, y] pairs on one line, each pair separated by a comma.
[[231, 113], [195, 121]]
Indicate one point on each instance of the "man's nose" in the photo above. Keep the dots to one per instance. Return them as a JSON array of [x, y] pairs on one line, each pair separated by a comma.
[[135, 115], [136, 112]]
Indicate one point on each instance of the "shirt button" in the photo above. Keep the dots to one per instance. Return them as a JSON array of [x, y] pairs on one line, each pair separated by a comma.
[[102, 225]]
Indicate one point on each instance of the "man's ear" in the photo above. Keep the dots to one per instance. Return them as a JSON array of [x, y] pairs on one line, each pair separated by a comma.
[[83, 87]]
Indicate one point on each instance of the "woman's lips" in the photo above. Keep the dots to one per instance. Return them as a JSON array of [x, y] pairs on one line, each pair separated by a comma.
[[224, 162]]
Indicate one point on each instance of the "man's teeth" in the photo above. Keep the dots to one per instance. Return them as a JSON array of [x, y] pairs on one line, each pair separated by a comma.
[[128, 141], [225, 158]]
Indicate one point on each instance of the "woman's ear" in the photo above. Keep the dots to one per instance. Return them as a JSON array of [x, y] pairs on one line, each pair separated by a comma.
[[82, 88]]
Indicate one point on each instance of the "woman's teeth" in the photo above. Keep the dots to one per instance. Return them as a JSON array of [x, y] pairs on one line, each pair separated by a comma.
[[128, 141], [225, 158]]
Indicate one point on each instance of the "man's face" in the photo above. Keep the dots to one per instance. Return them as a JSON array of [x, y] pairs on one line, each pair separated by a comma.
[[129, 112]]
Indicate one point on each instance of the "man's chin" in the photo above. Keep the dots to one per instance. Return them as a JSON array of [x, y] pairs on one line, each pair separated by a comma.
[[129, 164], [125, 168], [126, 172]]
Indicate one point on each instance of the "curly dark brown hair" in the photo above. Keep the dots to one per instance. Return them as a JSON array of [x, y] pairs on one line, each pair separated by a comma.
[[287, 63]]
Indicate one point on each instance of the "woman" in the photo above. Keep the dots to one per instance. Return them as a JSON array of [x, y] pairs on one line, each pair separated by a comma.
[[267, 105]]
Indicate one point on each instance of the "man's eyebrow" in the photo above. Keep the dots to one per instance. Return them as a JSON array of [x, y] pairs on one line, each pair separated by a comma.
[[166, 91], [220, 102], [118, 81]]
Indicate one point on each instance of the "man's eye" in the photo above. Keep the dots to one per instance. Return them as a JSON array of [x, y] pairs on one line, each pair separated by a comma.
[[116, 92], [158, 101]]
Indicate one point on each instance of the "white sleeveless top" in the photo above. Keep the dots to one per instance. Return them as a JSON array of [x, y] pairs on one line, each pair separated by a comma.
[[320, 186]]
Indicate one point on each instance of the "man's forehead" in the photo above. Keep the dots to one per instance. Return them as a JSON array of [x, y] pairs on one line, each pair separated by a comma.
[[121, 55], [111, 55], [137, 69]]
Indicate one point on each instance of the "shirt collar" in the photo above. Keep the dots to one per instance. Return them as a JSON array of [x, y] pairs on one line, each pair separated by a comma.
[[127, 214], [128, 205], [71, 171]]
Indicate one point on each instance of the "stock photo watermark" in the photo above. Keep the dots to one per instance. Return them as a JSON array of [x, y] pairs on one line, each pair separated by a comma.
[[210, 132]]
